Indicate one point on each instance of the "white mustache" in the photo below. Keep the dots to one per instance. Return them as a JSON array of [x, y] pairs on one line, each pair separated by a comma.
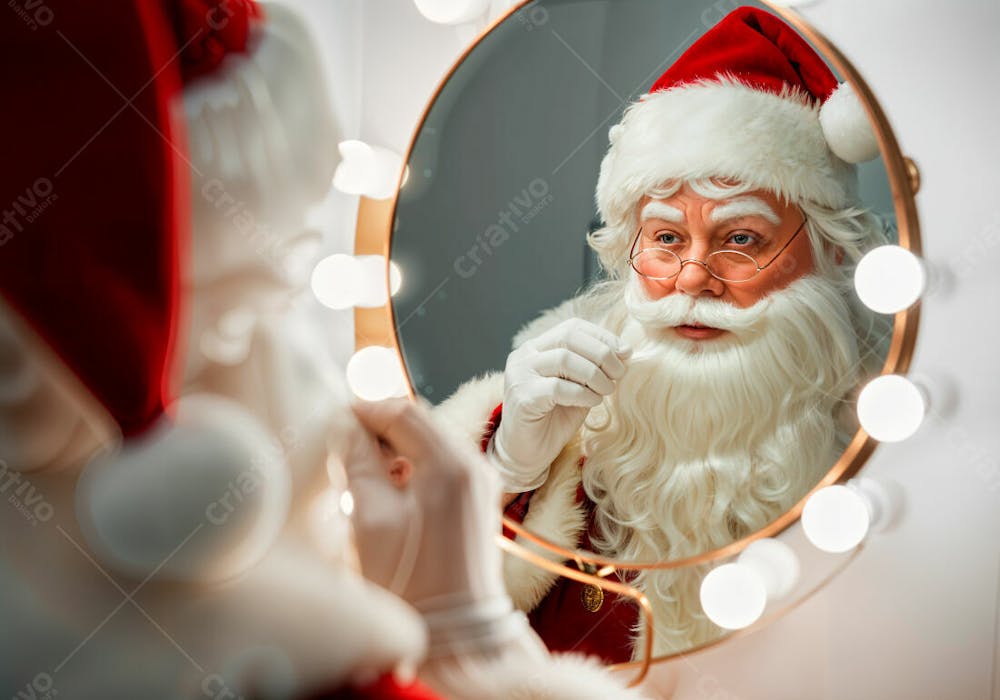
[[683, 310]]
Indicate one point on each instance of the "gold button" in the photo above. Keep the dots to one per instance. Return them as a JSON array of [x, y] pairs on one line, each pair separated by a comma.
[[592, 597]]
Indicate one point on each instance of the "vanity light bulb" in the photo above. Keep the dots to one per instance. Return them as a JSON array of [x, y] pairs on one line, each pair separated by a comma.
[[375, 373], [395, 278], [889, 279], [451, 11], [891, 408], [373, 290], [347, 503], [775, 563], [835, 519], [733, 596], [371, 171], [336, 280]]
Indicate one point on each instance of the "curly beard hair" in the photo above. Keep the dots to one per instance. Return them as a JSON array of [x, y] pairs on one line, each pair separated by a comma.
[[705, 442]]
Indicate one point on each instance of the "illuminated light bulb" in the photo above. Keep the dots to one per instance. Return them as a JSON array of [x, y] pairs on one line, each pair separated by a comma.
[[228, 343], [451, 11], [891, 408], [733, 596], [836, 519], [336, 280], [367, 170], [775, 563], [347, 503], [395, 278], [375, 373], [373, 291], [882, 502], [237, 322], [889, 279]]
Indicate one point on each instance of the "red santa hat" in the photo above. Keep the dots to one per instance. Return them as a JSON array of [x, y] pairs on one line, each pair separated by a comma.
[[95, 222], [750, 100], [99, 212]]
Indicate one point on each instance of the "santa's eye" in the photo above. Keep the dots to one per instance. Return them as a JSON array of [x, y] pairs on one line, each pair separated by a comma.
[[742, 238], [666, 238]]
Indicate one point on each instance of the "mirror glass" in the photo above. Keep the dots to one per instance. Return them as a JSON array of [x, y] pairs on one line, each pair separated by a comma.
[[723, 419]]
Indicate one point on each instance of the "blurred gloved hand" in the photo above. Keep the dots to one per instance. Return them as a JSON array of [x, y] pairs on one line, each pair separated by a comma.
[[425, 513], [550, 384]]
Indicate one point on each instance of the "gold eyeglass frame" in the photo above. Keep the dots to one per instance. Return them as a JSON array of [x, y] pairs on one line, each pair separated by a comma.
[[704, 263], [374, 234]]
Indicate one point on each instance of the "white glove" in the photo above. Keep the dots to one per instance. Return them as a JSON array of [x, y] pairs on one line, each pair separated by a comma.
[[550, 384], [425, 510], [425, 520]]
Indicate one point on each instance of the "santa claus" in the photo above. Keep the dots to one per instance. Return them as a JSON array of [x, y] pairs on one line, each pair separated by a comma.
[[705, 386], [165, 530]]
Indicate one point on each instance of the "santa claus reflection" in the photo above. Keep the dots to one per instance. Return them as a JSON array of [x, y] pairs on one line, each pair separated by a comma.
[[706, 386]]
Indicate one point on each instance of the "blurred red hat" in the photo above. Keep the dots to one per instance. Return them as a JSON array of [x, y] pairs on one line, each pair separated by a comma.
[[94, 201]]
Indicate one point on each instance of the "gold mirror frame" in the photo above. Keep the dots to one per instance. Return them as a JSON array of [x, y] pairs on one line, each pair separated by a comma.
[[377, 326]]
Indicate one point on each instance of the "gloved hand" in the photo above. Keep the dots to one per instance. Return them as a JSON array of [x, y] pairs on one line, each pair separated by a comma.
[[425, 511], [550, 384], [429, 498]]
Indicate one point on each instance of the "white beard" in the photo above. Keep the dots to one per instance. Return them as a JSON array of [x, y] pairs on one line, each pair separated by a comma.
[[707, 441]]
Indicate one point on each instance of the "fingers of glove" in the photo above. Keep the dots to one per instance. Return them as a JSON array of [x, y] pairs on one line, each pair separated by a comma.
[[567, 393], [566, 364], [364, 454], [405, 425], [407, 429], [578, 335]]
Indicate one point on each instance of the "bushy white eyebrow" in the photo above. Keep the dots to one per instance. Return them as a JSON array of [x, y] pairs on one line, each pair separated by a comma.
[[744, 206], [658, 210]]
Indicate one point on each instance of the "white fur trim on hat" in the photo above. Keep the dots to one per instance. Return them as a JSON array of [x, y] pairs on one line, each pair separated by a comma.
[[201, 497], [721, 128], [846, 126]]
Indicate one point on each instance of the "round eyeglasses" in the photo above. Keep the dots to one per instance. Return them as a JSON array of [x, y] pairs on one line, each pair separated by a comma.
[[725, 265]]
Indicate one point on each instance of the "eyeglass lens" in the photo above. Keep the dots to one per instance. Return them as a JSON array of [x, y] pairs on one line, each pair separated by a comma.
[[664, 264]]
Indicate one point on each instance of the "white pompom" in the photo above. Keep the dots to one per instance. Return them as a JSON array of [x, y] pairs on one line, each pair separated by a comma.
[[201, 497], [846, 126]]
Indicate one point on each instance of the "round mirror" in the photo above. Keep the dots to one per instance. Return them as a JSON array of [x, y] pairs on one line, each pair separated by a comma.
[[687, 344]]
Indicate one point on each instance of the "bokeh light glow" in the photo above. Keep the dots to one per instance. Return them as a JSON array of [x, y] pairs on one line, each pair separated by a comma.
[[775, 563], [889, 279], [733, 596], [836, 519], [451, 11], [336, 280], [891, 408], [375, 373]]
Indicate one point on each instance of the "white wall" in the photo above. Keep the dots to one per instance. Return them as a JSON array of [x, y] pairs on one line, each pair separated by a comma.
[[915, 616]]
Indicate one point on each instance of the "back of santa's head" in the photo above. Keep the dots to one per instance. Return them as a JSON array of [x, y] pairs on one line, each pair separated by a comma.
[[262, 152], [92, 302]]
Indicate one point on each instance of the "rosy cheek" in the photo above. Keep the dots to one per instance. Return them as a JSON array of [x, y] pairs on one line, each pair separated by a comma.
[[656, 289], [747, 295]]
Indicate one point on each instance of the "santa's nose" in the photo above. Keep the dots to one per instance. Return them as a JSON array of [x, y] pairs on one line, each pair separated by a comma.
[[695, 280]]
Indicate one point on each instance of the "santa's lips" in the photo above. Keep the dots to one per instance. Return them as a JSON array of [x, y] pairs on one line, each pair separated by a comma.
[[697, 331]]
